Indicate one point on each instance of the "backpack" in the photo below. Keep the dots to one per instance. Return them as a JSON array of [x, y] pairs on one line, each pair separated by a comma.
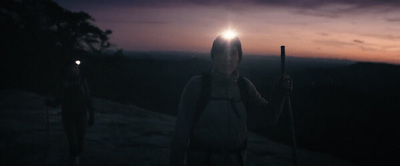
[[75, 94], [205, 97], [206, 92]]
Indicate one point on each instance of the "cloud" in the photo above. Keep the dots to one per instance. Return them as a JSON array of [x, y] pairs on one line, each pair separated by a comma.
[[393, 20], [300, 3], [292, 3], [384, 36], [365, 46], [316, 13], [331, 9], [392, 48], [152, 22], [358, 41], [333, 43], [323, 34], [336, 43]]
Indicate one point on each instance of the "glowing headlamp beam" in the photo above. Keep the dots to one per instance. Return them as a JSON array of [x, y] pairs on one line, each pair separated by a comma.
[[229, 34], [78, 62]]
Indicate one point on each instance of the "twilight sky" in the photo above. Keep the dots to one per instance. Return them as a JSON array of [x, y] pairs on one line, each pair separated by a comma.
[[364, 30]]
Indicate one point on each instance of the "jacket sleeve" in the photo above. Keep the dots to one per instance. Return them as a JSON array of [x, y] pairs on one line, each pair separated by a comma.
[[183, 126], [269, 111]]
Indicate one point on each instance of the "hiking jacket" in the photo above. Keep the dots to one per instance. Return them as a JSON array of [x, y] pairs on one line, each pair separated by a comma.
[[222, 126]]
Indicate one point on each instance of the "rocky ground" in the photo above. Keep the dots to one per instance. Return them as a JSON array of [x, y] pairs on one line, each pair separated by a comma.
[[122, 135]]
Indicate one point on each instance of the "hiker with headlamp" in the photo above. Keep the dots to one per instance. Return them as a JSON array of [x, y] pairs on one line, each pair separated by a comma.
[[211, 128], [77, 109]]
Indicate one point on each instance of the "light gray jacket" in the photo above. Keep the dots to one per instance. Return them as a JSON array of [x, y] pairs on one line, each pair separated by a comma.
[[222, 125]]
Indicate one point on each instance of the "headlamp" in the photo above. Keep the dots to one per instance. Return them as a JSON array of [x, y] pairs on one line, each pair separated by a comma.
[[229, 34], [78, 62]]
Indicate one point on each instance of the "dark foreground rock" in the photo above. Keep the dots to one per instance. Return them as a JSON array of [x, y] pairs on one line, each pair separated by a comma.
[[122, 135]]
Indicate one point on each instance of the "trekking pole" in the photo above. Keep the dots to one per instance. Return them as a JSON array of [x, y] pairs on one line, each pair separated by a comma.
[[286, 100]]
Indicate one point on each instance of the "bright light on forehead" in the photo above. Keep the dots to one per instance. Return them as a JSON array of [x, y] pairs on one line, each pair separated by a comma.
[[229, 34], [78, 62]]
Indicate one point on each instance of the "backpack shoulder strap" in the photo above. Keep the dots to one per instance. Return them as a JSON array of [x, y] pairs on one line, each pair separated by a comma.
[[244, 91], [204, 97]]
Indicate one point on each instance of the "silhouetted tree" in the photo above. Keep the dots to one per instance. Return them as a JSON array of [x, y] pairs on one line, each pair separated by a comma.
[[38, 36]]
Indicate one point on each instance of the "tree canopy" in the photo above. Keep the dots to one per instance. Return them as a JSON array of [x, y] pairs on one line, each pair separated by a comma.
[[39, 36]]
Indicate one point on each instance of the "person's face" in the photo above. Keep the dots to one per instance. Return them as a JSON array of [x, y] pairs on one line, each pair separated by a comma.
[[227, 61]]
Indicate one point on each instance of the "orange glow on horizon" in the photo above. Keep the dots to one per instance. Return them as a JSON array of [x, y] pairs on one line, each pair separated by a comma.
[[360, 37]]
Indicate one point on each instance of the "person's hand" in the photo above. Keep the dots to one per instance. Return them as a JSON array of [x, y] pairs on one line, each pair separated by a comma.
[[286, 83]]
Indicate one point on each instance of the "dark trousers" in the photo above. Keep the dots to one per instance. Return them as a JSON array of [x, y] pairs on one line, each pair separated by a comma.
[[75, 127]]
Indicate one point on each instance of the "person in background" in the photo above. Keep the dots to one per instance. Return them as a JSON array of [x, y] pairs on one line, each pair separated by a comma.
[[77, 109], [211, 128]]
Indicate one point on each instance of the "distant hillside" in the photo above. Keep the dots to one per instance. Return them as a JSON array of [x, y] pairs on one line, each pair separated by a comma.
[[349, 111], [269, 61], [155, 80], [122, 135]]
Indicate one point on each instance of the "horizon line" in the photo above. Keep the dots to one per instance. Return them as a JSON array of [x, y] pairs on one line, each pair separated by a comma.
[[266, 55]]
